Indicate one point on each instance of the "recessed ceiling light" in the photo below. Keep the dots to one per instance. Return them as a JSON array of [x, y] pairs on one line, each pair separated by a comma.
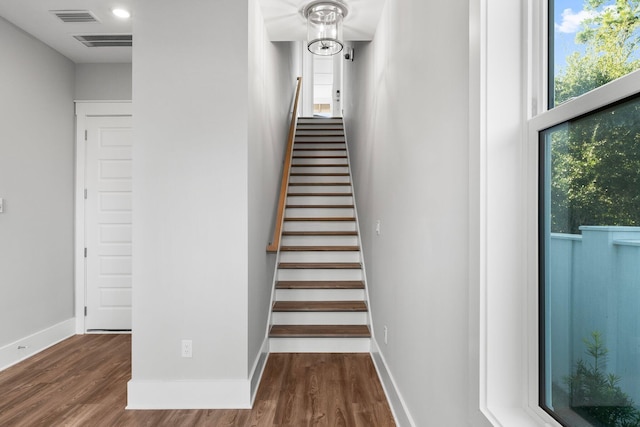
[[121, 13]]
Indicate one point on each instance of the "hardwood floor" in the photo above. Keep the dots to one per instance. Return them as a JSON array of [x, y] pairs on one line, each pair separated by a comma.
[[82, 382]]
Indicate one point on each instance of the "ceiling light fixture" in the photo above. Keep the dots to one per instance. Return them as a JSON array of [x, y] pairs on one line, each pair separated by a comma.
[[121, 13], [324, 26]]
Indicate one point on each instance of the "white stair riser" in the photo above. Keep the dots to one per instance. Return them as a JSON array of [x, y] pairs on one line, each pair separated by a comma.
[[319, 318], [319, 240], [319, 345], [330, 160], [322, 159], [318, 213], [310, 151], [319, 138], [319, 121], [319, 295], [319, 200], [320, 256], [320, 170], [321, 146], [303, 132], [319, 127], [319, 179], [319, 226], [319, 189], [312, 274]]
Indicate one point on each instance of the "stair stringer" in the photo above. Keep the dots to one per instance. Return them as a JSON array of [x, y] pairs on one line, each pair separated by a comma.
[[362, 261], [275, 270]]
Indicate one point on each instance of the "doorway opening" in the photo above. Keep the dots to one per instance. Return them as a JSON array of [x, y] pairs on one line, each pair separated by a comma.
[[327, 86]]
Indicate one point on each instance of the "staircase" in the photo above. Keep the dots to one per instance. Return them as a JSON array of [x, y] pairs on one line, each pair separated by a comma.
[[320, 303]]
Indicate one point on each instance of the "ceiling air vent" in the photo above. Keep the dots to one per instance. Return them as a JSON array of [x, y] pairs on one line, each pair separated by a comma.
[[106, 40], [75, 16]]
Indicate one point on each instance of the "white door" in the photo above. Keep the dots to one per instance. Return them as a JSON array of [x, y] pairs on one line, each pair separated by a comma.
[[108, 212], [323, 86]]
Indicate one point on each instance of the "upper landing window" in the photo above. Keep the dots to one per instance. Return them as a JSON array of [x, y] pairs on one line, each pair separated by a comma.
[[591, 42]]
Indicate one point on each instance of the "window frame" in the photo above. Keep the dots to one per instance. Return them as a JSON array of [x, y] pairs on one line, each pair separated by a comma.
[[540, 88]]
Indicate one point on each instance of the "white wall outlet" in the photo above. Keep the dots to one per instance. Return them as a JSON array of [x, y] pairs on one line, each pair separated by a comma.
[[1, 205], [378, 224], [187, 348], [386, 334]]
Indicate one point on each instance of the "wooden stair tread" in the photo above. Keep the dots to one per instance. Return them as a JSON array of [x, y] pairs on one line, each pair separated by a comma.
[[319, 206], [327, 165], [319, 174], [313, 121], [319, 184], [319, 157], [320, 284], [320, 233], [320, 265], [320, 128], [315, 306], [332, 131], [319, 142], [320, 194], [320, 331], [310, 122], [323, 218], [320, 248], [319, 149]]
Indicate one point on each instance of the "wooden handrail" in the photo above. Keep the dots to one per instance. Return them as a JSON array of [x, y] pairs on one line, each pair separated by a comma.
[[275, 242]]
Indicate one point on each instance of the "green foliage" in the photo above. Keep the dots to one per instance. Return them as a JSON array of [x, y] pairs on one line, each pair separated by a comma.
[[595, 394], [595, 170], [611, 37]]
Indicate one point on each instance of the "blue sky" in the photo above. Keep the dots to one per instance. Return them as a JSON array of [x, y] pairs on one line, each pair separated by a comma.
[[567, 16]]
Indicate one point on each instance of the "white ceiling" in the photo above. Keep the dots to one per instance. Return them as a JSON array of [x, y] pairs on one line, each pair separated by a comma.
[[34, 17], [282, 19]]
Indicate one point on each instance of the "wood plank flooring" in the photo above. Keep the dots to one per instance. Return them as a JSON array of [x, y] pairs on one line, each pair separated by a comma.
[[82, 382]]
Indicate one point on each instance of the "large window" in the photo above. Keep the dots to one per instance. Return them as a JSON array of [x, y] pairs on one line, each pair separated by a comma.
[[589, 204]]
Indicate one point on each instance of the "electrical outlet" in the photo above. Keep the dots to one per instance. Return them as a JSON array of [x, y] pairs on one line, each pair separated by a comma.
[[378, 224], [187, 348], [1, 205], [386, 334]]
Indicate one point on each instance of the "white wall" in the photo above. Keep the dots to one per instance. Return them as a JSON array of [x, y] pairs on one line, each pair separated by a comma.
[[190, 275], [103, 82], [273, 68], [36, 182], [437, 131], [407, 118]]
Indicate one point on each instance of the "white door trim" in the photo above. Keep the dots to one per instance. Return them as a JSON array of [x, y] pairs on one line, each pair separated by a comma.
[[85, 109]]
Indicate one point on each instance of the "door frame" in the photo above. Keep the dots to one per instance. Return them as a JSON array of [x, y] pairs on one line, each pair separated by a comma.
[[85, 110]]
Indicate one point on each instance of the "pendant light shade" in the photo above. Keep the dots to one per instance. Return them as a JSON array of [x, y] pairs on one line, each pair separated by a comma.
[[324, 26]]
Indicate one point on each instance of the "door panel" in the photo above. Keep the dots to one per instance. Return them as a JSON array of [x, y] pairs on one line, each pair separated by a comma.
[[108, 213]]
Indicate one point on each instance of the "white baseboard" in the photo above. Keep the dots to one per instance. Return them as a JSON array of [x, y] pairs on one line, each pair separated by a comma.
[[26, 347], [189, 394], [398, 406], [258, 369]]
